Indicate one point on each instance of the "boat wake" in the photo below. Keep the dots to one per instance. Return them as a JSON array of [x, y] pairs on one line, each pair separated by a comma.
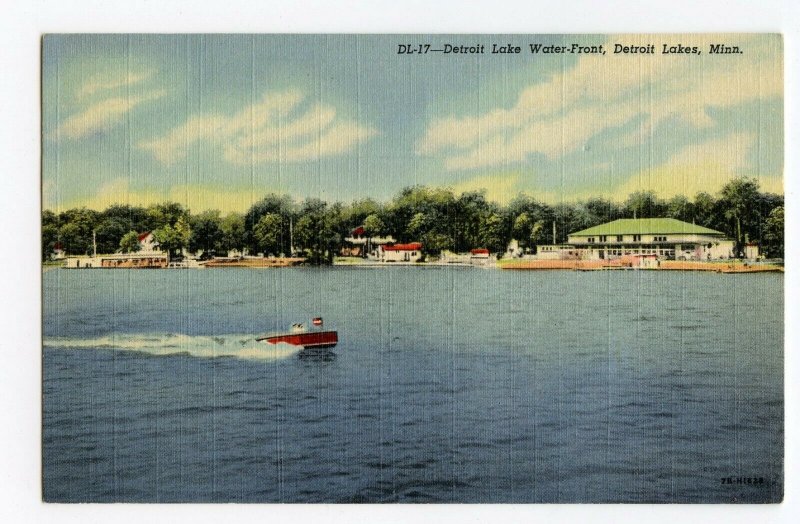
[[243, 346]]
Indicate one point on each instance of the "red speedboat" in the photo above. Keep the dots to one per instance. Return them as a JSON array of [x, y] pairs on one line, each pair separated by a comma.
[[299, 335]]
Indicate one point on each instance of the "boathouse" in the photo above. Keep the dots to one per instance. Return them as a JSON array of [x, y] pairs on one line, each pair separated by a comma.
[[666, 238], [120, 260]]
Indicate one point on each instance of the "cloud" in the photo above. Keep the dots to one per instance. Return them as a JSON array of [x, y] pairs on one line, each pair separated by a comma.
[[560, 114], [278, 128], [106, 81], [703, 166], [102, 116]]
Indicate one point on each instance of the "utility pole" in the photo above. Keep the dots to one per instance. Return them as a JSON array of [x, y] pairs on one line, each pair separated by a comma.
[[291, 238], [554, 232], [94, 242]]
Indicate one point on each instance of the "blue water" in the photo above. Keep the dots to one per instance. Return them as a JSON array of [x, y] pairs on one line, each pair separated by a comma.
[[448, 385]]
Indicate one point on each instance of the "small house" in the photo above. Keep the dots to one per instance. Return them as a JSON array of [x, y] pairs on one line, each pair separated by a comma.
[[148, 243], [410, 252], [58, 252], [479, 257]]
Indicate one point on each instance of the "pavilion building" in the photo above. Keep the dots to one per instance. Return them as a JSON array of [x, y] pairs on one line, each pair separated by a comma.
[[665, 238]]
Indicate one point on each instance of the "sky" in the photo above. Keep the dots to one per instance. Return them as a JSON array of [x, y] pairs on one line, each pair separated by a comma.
[[218, 121]]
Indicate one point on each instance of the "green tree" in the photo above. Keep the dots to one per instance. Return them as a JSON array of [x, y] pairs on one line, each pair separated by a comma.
[[167, 213], [272, 203], [437, 205], [73, 240], [705, 210], [492, 233], [206, 233], [680, 208], [184, 230], [173, 239], [602, 210], [134, 217], [357, 213], [168, 239], [75, 230], [318, 231], [521, 229], [373, 225], [233, 232], [738, 199], [538, 234], [568, 219], [49, 233], [130, 242], [418, 225], [267, 233], [470, 211], [434, 243], [109, 233], [773, 237], [49, 240], [527, 232], [644, 204]]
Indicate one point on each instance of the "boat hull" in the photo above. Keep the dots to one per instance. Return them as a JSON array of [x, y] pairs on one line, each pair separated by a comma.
[[306, 340]]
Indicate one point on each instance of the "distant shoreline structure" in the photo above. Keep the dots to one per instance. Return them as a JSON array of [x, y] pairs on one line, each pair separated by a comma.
[[422, 224]]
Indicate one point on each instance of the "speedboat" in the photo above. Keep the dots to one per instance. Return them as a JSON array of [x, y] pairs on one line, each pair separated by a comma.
[[299, 335]]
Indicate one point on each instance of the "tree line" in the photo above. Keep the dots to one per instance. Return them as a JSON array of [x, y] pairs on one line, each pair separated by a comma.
[[437, 217]]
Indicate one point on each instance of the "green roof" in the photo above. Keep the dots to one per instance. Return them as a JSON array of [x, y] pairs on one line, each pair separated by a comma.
[[646, 226]]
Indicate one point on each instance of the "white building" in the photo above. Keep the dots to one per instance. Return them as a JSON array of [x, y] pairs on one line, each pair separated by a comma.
[[556, 252], [148, 244], [119, 260], [148, 256], [58, 252], [410, 253], [360, 243], [513, 250], [664, 237], [751, 251], [480, 257]]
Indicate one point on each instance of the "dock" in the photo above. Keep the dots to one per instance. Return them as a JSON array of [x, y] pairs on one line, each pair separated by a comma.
[[254, 262]]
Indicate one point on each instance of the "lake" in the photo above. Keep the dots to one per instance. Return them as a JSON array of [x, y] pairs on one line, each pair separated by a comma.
[[448, 385]]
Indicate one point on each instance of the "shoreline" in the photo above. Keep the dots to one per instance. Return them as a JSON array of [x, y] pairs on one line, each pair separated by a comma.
[[716, 266], [725, 267]]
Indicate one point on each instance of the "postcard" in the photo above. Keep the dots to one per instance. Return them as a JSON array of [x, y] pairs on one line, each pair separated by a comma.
[[409, 268]]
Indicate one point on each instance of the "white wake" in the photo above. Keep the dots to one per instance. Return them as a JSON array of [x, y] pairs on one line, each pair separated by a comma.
[[242, 346]]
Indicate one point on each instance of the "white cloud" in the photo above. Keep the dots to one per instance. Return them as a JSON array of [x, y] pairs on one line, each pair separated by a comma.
[[102, 116], [278, 128], [703, 166], [560, 114], [108, 81]]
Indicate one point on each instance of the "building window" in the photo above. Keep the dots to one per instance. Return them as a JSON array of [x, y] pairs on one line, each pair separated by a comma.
[[619, 238], [603, 238], [659, 239], [590, 240], [637, 238]]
